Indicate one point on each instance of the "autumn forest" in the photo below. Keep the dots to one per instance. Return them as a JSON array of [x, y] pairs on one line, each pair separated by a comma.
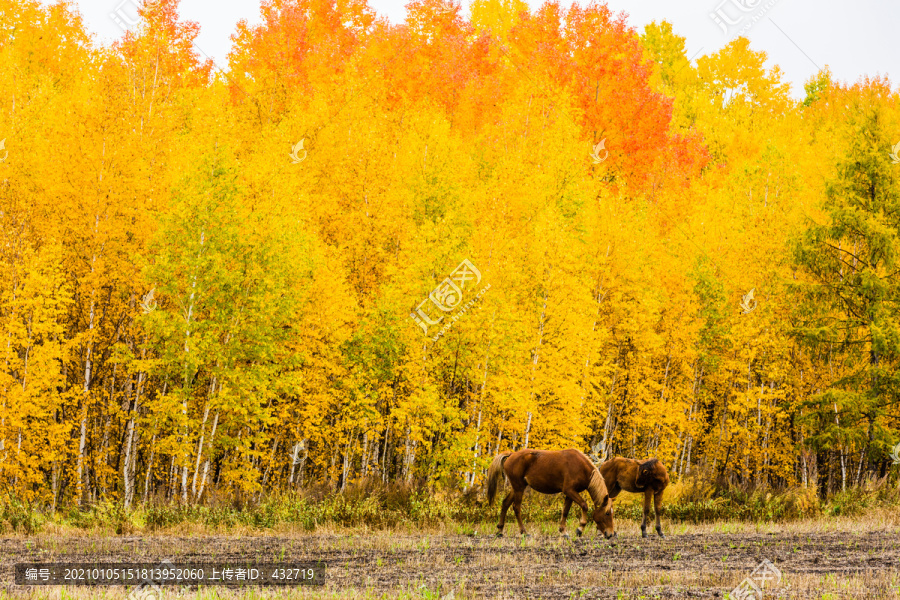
[[360, 249]]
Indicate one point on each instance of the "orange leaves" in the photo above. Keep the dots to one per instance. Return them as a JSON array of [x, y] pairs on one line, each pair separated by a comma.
[[599, 61], [166, 43], [300, 44]]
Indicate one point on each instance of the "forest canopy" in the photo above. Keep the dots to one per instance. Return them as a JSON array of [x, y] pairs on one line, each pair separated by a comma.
[[361, 250]]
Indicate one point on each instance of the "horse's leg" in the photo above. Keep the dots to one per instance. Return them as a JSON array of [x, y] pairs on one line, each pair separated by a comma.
[[506, 502], [517, 506], [658, 505], [648, 495], [584, 519], [576, 497], [565, 515]]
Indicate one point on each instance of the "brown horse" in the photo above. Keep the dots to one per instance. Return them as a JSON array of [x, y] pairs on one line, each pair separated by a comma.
[[551, 472], [649, 478]]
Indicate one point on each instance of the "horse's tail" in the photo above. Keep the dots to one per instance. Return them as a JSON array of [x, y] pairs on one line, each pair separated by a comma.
[[495, 475]]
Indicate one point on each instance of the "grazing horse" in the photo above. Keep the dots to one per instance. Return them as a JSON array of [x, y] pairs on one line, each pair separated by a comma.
[[551, 472], [649, 478]]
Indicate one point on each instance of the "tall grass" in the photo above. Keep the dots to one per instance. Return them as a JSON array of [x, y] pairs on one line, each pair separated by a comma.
[[364, 504], [371, 505]]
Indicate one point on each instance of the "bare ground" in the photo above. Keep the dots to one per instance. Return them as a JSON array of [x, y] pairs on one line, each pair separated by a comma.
[[691, 562]]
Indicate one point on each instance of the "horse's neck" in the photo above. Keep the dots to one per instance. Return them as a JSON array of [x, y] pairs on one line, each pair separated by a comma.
[[594, 490]]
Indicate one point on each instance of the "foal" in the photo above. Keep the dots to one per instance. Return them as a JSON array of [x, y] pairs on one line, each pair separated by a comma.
[[649, 478], [551, 472]]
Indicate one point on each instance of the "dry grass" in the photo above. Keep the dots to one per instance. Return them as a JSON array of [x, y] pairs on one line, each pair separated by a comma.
[[372, 506], [880, 518]]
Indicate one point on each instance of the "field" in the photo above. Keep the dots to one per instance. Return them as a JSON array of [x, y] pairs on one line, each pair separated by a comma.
[[823, 559]]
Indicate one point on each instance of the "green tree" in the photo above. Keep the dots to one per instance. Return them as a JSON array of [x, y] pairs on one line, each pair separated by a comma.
[[850, 299]]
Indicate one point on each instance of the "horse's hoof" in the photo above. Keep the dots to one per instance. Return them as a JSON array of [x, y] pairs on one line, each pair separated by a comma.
[[660, 534], [565, 535], [499, 534], [643, 534], [578, 532]]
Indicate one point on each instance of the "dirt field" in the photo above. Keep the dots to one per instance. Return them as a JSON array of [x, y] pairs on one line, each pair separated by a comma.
[[698, 562]]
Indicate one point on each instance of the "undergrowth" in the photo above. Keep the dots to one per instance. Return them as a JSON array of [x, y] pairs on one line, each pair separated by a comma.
[[377, 506]]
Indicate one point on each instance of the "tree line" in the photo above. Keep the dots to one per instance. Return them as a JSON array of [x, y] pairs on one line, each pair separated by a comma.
[[365, 250]]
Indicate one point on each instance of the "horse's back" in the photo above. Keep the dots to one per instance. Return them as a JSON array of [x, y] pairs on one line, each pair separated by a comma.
[[547, 470], [531, 455], [614, 467]]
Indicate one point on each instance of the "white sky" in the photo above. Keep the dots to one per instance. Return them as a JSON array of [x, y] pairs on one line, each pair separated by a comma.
[[798, 35]]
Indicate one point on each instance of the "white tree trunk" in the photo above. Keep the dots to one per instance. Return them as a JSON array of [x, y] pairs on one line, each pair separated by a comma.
[[212, 436]]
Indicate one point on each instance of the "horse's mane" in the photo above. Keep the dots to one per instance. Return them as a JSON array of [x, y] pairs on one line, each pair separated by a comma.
[[597, 487], [649, 463]]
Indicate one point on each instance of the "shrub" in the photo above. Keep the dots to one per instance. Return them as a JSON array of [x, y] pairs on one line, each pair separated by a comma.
[[18, 517]]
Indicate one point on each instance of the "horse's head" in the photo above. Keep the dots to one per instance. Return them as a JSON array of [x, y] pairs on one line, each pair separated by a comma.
[[603, 517], [603, 509], [645, 474]]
